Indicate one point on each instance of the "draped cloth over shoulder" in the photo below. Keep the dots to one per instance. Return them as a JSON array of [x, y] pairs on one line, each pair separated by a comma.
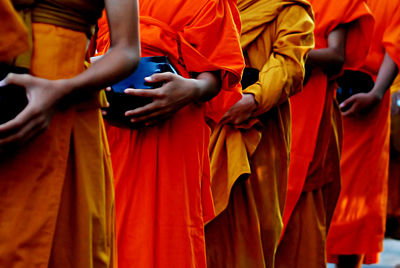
[[162, 180], [249, 162], [359, 220], [56, 202], [14, 37]]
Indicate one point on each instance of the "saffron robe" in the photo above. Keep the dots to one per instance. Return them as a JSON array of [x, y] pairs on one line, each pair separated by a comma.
[[162, 181], [314, 171], [56, 192], [249, 162], [393, 206], [13, 33], [359, 220]]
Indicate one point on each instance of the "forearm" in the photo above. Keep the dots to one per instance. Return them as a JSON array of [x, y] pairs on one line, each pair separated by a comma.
[[208, 86], [329, 59], [387, 74], [118, 63], [123, 56]]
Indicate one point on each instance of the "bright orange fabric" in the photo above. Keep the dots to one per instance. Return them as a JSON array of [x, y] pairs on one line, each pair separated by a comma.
[[13, 33], [56, 193], [163, 194], [394, 166], [359, 220], [249, 162], [308, 106]]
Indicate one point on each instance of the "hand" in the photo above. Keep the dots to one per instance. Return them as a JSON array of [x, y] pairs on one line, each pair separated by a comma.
[[395, 109], [241, 111], [359, 104], [43, 96], [175, 93]]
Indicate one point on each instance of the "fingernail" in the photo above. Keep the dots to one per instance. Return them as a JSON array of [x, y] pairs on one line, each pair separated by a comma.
[[3, 83], [133, 120], [148, 78]]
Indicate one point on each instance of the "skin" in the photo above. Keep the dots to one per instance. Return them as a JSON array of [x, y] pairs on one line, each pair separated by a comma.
[[45, 96], [331, 59], [175, 93], [363, 103]]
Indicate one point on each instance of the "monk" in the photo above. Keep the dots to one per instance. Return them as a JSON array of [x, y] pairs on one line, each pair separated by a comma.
[[250, 147], [57, 200], [393, 207], [162, 185], [358, 225], [342, 42]]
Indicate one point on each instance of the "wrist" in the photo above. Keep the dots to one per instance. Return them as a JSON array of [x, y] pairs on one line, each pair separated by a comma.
[[65, 87], [199, 90], [250, 98], [377, 95]]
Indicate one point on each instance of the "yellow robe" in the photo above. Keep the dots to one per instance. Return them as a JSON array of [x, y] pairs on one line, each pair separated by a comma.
[[249, 163], [56, 201]]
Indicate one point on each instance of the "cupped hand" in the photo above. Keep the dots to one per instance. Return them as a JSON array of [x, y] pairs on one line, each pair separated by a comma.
[[175, 93], [242, 111], [359, 104], [43, 96]]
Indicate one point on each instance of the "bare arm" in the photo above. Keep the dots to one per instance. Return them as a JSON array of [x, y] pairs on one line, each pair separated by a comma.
[[363, 103], [331, 59], [44, 96]]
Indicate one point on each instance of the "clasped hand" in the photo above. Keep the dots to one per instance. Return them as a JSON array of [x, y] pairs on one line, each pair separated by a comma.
[[242, 111], [175, 93], [359, 104], [43, 96]]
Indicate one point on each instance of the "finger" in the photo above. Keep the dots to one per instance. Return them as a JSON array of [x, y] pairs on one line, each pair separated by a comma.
[[350, 112], [144, 110], [226, 119], [34, 131], [160, 77], [20, 135], [17, 79], [149, 93], [347, 102], [19, 121]]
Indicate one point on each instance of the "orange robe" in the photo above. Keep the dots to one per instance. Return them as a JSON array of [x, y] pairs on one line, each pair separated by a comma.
[[13, 33], [249, 163], [314, 171], [393, 207], [359, 220], [56, 193], [163, 195]]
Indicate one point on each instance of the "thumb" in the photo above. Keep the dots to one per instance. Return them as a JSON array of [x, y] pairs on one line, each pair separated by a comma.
[[17, 79], [160, 77], [347, 102]]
